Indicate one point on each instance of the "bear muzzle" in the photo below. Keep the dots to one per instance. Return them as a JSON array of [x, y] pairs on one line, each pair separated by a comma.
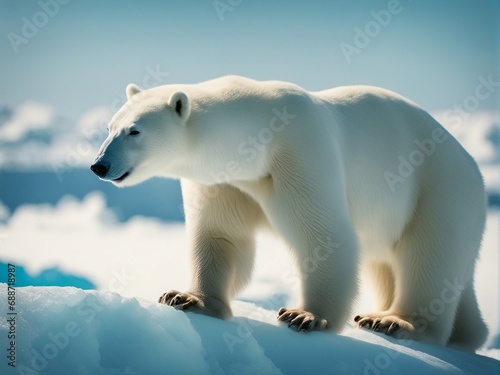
[[100, 169]]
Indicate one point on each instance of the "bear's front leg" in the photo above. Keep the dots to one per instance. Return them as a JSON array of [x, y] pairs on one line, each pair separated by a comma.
[[328, 275], [220, 221], [310, 211], [213, 270]]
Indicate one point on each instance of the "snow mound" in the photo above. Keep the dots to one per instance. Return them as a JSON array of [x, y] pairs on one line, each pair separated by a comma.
[[71, 331]]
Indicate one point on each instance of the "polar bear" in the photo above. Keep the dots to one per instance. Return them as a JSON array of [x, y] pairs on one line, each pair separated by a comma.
[[352, 178]]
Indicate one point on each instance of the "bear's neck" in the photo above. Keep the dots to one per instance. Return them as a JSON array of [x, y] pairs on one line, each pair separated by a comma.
[[223, 151]]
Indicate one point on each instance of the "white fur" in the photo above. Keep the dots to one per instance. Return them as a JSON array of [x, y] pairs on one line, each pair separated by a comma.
[[318, 169]]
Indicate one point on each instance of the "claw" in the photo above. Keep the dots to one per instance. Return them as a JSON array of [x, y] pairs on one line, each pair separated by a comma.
[[393, 328], [300, 320], [304, 326], [390, 325], [366, 323]]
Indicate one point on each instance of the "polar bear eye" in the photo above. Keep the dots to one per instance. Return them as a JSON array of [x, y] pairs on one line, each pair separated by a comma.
[[134, 132]]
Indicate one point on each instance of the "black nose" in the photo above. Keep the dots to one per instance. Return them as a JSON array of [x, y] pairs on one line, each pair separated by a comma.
[[99, 169]]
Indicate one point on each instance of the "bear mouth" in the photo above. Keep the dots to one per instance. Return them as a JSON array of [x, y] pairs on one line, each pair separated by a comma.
[[122, 177]]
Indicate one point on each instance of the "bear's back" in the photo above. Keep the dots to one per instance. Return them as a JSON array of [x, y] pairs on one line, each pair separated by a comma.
[[239, 87]]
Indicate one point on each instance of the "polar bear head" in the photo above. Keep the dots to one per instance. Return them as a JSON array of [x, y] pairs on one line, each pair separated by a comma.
[[146, 137]]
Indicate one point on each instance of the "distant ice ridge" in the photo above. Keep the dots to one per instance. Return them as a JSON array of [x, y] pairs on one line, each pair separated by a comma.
[[479, 134], [70, 331], [33, 137]]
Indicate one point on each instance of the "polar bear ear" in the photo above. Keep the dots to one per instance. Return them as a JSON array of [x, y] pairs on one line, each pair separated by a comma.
[[131, 90], [180, 103]]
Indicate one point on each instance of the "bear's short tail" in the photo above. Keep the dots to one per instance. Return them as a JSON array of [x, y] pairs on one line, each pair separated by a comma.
[[469, 330]]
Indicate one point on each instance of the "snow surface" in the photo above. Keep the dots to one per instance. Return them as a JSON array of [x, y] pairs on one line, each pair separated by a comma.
[[70, 331]]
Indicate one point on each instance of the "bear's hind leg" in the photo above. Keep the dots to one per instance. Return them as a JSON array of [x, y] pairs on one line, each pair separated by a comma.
[[469, 331], [434, 257], [424, 307], [433, 262]]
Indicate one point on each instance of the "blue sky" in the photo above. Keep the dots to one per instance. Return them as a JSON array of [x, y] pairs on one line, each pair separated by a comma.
[[430, 51]]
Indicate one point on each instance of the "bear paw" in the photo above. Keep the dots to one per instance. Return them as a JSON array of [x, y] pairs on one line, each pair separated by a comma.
[[390, 325], [186, 301], [300, 320], [179, 300]]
